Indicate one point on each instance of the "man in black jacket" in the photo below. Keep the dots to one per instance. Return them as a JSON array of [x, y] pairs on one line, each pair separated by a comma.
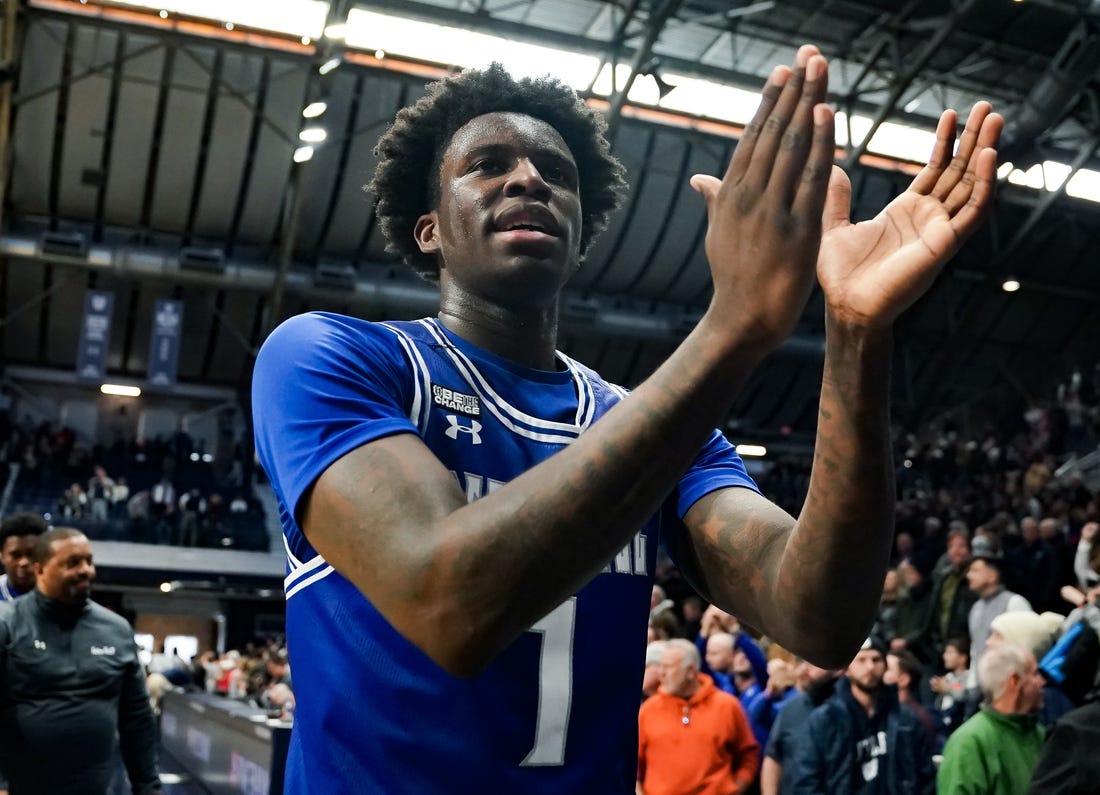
[[70, 680], [1069, 764], [862, 741]]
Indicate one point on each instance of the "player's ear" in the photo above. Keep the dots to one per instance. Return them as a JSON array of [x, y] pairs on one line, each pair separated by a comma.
[[426, 233]]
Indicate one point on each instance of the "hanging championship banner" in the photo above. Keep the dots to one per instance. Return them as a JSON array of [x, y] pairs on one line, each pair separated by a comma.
[[95, 335], [164, 345]]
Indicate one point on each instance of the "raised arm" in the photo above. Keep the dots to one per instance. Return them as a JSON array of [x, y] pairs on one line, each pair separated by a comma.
[[460, 580], [814, 584]]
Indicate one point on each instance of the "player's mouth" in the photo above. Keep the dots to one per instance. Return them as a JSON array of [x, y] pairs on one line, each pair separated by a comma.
[[527, 224]]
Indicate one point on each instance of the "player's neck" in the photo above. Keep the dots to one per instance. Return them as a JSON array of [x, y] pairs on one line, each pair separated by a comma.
[[526, 337]]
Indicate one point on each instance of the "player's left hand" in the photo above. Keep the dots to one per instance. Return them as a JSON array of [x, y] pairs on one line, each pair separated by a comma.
[[873, 271]]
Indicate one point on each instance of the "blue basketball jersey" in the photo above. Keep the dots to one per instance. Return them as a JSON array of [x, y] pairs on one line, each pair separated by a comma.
[[556, 712]]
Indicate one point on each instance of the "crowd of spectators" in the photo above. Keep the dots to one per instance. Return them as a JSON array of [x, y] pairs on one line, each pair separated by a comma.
[[982, 671], [987, 638], [258, 675], [157, 491]]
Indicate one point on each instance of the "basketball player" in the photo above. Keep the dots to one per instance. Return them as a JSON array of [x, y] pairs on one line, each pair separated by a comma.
[[471, 517]]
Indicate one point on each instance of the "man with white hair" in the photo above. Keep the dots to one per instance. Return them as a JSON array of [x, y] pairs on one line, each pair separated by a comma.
[[692, 737], [997, 750], [652, 678]]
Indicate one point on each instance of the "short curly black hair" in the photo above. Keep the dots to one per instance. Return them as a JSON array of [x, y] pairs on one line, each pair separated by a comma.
[[22, 524], [406, 181]]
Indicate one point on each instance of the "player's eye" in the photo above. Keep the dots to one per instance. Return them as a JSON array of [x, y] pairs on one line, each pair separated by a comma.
[[559, 174], [488, 165]]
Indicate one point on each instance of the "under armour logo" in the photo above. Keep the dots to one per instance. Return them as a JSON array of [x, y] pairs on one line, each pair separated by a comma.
[[456, 428], [40, 644]]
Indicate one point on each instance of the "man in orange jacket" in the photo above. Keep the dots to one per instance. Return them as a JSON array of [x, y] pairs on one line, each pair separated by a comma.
[[692, 737]]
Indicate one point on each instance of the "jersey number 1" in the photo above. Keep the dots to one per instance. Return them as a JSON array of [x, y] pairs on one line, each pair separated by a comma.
[[555, 685]]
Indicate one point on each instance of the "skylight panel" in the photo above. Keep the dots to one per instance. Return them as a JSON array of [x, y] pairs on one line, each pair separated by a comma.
[[1085, 184], [707, 98], [294, 17], [454, 46]]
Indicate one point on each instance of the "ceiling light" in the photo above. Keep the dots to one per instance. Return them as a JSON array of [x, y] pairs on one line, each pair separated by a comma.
[[306, 40], [313, 135], [166, 587], [1010, 285], [337, 31], [328, 66], [314, 109], [303, 153], [163, 14], [229, 26], [121, 389], [752, 450], [380, 54]]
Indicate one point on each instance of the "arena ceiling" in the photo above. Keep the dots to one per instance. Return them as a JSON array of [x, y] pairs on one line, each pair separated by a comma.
[[153, 157]]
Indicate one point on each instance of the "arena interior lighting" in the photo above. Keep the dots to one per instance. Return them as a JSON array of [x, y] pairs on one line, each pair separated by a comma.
[[1010, 285], [122, 390], [303, 153], [314, 109], [752, 450], [294, 17], [371, 31], [313, 135], [385, 34], [440, 44]]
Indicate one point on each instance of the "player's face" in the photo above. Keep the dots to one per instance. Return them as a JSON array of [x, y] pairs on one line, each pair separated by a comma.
[[507, 227], [68, 574], [16, 557]]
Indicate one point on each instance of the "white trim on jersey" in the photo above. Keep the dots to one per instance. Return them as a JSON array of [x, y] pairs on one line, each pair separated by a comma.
[[586, 402], [498, 405], [294, 562], [302, 570], [418, 412], [618, 390], [5, 590], [326, 571]]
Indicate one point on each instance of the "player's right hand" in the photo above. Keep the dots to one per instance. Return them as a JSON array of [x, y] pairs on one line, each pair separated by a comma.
[[764, 215]]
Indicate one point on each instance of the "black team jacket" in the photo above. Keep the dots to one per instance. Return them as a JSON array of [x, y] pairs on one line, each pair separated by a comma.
[[70, 679]]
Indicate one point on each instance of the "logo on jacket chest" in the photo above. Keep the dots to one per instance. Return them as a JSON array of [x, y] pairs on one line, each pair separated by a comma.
[[868, 751]]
